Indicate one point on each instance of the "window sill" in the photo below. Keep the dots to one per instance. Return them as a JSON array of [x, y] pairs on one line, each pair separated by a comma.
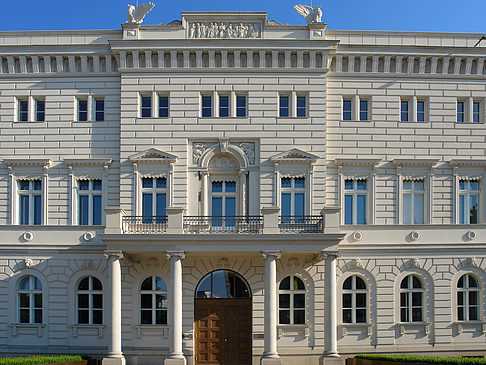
[[293, 330], [27, 329], [463, 326], [355, 121], [87, 330], [352, 328], [469, 123], [30, 121], [413, 327], [159, 329]]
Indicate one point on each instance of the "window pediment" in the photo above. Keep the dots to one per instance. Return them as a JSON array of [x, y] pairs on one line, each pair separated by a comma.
[[468, 163], [372, 162], [153, 156], [424, 162], [294, 156], [98, 162]]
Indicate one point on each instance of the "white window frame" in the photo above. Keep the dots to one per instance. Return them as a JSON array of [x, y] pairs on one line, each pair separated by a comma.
[[154, 190], [36, 109], [96, 99], [355, 101], [354, 193], [353, 291], [409, 293], [214, 106], [292, 310], [468, 112], [30, 292], [466, 305], [292, 191], [224, 194], [157, 107], [412, 194], [153, 292], [468, 193], [91, 194], [31, 193], [90, 292], [152, 96]]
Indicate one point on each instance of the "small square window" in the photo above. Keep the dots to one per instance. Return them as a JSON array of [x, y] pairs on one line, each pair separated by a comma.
[[23, 110], [100, 110], [301, 106], [347, 109], [82, 110], [163, 106], [284, 106], [241, 106], [224, 106], [146, 107], [206, 106], [40, 110]]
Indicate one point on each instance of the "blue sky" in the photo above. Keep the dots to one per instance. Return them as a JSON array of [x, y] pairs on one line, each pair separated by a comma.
[[411, 15]]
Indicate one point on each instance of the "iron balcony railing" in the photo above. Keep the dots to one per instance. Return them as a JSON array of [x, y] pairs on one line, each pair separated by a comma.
[[252, 224], [145, 224], [300, 224]]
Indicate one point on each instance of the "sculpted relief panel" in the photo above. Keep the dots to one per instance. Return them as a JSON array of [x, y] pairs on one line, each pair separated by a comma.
[[224, 30]]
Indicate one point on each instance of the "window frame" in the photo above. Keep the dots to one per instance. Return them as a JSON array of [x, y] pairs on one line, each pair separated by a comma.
[[412, 192], [154, 191], [90, 193], [292, 292], [90, 309], [153, 293], [354, 193], [408, 306], [207, 109], [99, 112], [159, 108], [353, 292], [31, 292], [245, 108], [31, 193], [284, 96], [405, 101], [22, 115], [144, 108], [305, 108], [80, 110], [346, 101], [466, 305], [468, 193], [227, 108], [292, 190], [40, 115]]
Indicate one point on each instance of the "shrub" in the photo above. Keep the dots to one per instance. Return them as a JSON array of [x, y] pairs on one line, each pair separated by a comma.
[[38, 359], [424, 359]]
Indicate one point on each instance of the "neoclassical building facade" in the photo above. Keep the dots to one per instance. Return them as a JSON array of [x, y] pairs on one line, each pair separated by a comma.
[[228, 190]]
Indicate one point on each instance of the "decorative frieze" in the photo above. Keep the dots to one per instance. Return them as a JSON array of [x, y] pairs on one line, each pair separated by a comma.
[[224, 30]]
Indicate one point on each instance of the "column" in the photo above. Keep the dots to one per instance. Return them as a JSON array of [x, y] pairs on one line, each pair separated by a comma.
[[176, 356], [115, 355], [330, 347], [270, 355]]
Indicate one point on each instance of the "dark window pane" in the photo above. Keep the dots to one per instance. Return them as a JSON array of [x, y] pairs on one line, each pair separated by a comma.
[[241, 290], [416, 314], [83, 316], [146, 301], [285, 284], [346, 109], [83, 300], [360, 284], [204, 288], [284, 317], [404, 283], [416, 299], [404, 300], [416, 282], [347, 300], [40, 110], [146, 317], [84, 284], [37, 300], [460, 283], [347, 318], [217, 186], [299, 316], [160, 301], [223, 284], [460, 298], [460, 313], [161, 183], [473, 313], [83, 209], [97, 209], [97, 317], [24, 283], [473, 283], [360, 315], [347, 283], [98, 301], [96, 284], [161, 317], [160, 284], [284, 301], [147, 284], [24, 316], [404, 315], [286, 182], [83, 184], [97, 184], [38, 316], [24, 300], [298, 284], [473, 297], [299, 300], [361, 300], [299, 182]]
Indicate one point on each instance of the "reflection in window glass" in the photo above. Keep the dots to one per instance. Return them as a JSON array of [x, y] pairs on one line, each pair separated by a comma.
[[291, 300], [222, 284]]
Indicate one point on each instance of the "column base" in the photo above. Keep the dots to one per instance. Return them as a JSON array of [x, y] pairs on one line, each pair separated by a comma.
[[270, 361], [331, 360], [114, 360], [174, 361]]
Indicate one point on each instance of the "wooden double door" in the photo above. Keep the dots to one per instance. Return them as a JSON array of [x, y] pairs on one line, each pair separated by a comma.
[[223, 331]]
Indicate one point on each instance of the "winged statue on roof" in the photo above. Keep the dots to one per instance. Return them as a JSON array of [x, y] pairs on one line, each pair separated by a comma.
[[311, 15], [136, 15]]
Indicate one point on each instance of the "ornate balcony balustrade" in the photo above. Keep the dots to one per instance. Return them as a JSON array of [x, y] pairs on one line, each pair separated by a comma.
[[252, 224], [300, 224], [144, 224]]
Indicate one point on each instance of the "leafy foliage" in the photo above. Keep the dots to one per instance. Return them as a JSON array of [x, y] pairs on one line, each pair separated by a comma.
[[38, 359], [424, 359]]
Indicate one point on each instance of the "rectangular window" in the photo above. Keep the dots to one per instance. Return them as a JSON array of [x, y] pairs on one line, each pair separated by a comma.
[[30, 201], [99, 110], [469, 194], [404, 111], [284, 106], [301, 106], [90, 200], [347, 109], [163, 106], [23, 110], [82, 110], [206, 106], [355, 201], [363, 110], [40, 110], [476, 112], [146, 107], [154, 197], [293, 196], [223, 203], [224, 106], [420, 111], [241, 106], [460, 112], [413, 201]]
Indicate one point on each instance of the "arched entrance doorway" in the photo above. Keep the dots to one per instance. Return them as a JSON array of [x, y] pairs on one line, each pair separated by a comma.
[[223, 319]]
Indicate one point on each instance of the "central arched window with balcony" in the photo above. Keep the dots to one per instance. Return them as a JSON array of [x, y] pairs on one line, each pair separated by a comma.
[[293, 198], [223, 203], [154, 199]]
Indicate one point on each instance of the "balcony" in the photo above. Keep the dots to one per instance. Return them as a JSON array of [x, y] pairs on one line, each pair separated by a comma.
[[270, 222]]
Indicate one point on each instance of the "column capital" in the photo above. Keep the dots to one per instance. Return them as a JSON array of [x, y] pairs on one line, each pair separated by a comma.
[[118, 255], [268, 254], [330, 254], [175, 254]]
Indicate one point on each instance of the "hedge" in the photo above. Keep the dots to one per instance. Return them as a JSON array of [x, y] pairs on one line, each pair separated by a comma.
[[424, 359], [39, 359]]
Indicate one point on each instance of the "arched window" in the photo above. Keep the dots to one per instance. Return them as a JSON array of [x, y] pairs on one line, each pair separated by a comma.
[[153, 301], [222, 284], [29, 294], [291, 301], [89, 301], [411, 299], [468, 298], [355, 300]]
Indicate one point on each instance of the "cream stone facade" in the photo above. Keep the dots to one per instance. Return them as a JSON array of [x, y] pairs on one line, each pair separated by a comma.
[[228, 190]]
